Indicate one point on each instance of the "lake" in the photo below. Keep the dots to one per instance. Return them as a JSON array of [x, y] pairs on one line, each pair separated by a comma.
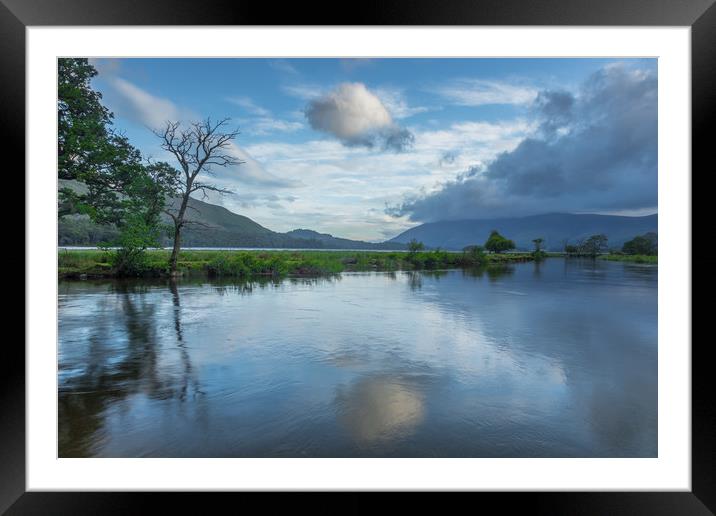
[[550, 359]]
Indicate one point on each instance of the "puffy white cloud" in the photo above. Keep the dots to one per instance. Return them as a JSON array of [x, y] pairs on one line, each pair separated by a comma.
[[349, 112], [357, 117]]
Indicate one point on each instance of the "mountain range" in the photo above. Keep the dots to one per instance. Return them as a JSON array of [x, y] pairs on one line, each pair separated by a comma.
[[214, 226], [557, 229], [219, 227]]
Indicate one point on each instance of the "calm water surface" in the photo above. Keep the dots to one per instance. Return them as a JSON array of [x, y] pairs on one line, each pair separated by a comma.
[[557, 359]]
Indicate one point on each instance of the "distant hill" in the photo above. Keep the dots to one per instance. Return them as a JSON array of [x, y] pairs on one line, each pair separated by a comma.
[[217, 227], [341, 243], [220, 227], [556, 229]]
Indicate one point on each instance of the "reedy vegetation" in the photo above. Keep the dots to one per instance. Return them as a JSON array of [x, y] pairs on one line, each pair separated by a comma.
[[97, 263]]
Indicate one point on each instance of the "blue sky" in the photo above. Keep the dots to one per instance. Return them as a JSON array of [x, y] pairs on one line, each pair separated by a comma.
[[366, 148]]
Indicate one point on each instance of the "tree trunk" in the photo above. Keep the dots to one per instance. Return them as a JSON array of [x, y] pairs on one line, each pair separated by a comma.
[[178, 223]]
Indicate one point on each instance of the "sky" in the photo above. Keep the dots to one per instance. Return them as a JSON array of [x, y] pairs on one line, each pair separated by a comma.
[[367, 148]]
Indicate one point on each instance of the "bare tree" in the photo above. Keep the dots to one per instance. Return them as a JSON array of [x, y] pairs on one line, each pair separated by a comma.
[[198, 148]]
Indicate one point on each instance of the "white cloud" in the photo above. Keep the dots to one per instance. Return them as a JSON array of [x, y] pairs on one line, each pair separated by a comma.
[[356, 116], [153, 111], [468, 134], [263, 126], [250, 172], [105, 66], [143, 107], [265, 123], [478, 92], [394, 100], [349, 112], [303, 91], [353, 184]]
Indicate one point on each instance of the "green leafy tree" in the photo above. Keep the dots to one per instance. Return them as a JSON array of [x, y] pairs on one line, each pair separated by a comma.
[[119, 190], [83, 138], [414, 246], [538, 253], [140, 224], [86, 148], [496, 243], [91, 151], [594, 245], [644, 244]]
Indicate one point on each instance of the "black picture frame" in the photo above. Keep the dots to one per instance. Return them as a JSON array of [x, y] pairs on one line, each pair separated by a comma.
[[700, 15]]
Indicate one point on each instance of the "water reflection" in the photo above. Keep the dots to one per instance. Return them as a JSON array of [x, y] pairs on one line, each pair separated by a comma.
[[493, 272], [188, 380], [550, 359], [109, 369], [415, 278], [537, 270], [379, 408]]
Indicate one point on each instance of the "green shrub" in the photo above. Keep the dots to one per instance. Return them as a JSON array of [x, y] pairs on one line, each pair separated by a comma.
[[129, 261], [473, 256]]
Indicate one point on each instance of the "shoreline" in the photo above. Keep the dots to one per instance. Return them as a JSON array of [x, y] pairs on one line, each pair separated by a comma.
[[630, 258], [96, 264], [80, 264]]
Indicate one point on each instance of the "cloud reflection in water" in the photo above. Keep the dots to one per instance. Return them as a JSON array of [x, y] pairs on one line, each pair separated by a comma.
[[379, 408]]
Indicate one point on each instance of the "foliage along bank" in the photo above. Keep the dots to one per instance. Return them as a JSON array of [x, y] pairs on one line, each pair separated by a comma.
[[79, 264]]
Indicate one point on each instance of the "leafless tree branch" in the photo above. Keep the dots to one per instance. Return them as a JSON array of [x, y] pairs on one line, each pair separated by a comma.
[[197, 148]]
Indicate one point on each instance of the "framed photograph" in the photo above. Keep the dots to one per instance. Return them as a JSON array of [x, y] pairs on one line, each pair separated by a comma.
[[439, 249]]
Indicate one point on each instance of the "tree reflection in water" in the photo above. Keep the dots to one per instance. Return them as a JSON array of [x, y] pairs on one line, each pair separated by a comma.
[[120, 366], [493, 271], [188, 378]]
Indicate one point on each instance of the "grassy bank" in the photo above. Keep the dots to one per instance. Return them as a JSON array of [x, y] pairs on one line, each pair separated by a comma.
[[97, 263], [634, 258]]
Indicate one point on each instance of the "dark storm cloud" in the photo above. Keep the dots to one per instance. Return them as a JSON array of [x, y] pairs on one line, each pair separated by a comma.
[[554, 109], [596, 151]]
